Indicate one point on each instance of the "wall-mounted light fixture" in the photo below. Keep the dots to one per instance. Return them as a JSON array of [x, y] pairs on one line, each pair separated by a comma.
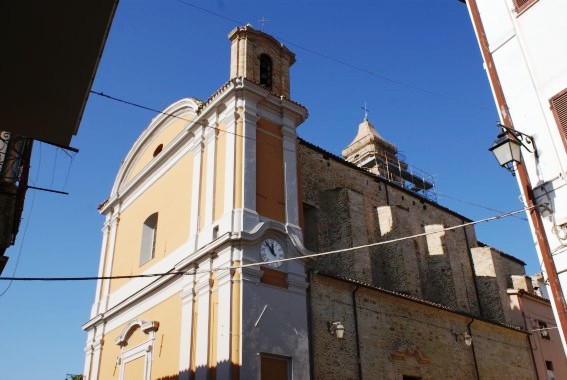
[[337, 329], [507, 147], [467, 339]]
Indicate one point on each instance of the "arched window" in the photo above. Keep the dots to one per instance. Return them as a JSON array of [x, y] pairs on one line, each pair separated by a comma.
[[265, 71], [149, 230]]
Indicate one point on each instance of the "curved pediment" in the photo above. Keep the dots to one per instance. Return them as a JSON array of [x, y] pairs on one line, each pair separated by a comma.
[[409, 351], [132, 326], [159, 134]]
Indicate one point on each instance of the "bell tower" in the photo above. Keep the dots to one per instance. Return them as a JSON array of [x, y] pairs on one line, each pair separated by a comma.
[[261, 59], [371, 151]]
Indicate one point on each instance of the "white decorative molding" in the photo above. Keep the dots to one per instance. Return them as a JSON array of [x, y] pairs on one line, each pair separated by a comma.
[[203, 290], [252, 274], [179, 107], [109, 257], [144, 349], [210, 170], [196, 188], [146, 327]]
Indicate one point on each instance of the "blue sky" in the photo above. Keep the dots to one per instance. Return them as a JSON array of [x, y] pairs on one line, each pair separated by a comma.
[[415, 63]]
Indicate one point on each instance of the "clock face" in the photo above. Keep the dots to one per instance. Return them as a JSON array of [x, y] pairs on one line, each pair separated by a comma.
[[271, 250]]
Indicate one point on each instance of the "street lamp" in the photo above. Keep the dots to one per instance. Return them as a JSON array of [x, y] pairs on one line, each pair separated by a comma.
[[507, 147], [337, 329], [467, 338]]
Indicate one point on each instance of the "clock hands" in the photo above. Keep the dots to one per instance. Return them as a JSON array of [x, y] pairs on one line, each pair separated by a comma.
[[271, 248], [271, 253]]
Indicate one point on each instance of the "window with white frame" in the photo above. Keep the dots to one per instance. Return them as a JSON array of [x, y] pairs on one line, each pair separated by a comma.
[[135, 361]]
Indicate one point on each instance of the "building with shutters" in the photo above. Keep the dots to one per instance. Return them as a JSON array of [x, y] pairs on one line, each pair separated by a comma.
[[215, 215], [523, 46]]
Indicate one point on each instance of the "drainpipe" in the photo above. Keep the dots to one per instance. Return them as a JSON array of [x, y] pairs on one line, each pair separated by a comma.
[[310, 276], [525, 186], [355, 309], [528, 336], [473, 351]]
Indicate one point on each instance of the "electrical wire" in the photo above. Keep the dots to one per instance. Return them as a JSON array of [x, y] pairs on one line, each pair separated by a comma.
[[68, 172], [54, 166], [478, 205], [340, 61], [241, 266], [138, 105]]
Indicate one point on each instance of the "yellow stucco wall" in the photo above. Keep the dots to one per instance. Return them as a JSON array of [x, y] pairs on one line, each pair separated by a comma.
[[220, 165], [137, 337], [270, 196], [165, 360], [134, 369], [170, 197], [164, 136]]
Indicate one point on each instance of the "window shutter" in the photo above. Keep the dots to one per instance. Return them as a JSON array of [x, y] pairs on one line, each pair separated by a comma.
[[523, 4], [559, 108]]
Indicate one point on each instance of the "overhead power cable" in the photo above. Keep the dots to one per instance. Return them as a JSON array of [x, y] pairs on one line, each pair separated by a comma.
[[137, 105], [340, 61], [231, 267], [478, 205]]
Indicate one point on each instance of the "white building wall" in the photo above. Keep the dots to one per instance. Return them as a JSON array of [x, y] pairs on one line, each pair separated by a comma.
[[529, 50]]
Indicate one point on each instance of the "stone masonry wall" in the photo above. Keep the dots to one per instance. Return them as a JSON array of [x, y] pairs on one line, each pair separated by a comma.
[[492, 284], [436, 269], [399, 336], [344, 228]]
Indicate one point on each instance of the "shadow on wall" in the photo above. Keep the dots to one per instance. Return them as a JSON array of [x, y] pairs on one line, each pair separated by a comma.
[[224, 369]]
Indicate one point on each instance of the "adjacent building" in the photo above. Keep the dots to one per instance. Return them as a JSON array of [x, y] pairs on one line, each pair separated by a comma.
[[523, 46], [210, 265]]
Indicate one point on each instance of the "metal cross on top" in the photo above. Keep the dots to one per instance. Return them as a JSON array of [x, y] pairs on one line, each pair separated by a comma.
[[263, 21], [366, 111]]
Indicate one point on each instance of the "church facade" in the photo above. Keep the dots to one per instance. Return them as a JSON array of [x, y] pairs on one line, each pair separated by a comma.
[[208, 240]]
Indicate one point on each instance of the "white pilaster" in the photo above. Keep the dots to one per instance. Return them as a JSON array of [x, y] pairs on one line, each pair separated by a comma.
[[223, 278], [230, 165], [197, 150], [203, 293], [249, 218], [211, 145], [115, 219], [187, 299], [96, 351], [249, 120], [105, 232], [290, 174], [89, 350]]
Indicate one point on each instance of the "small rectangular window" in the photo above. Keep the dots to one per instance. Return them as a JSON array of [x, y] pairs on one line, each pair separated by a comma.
[[274, 277], [559, 109], [549, 365], [274, 367], [543, 330]]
